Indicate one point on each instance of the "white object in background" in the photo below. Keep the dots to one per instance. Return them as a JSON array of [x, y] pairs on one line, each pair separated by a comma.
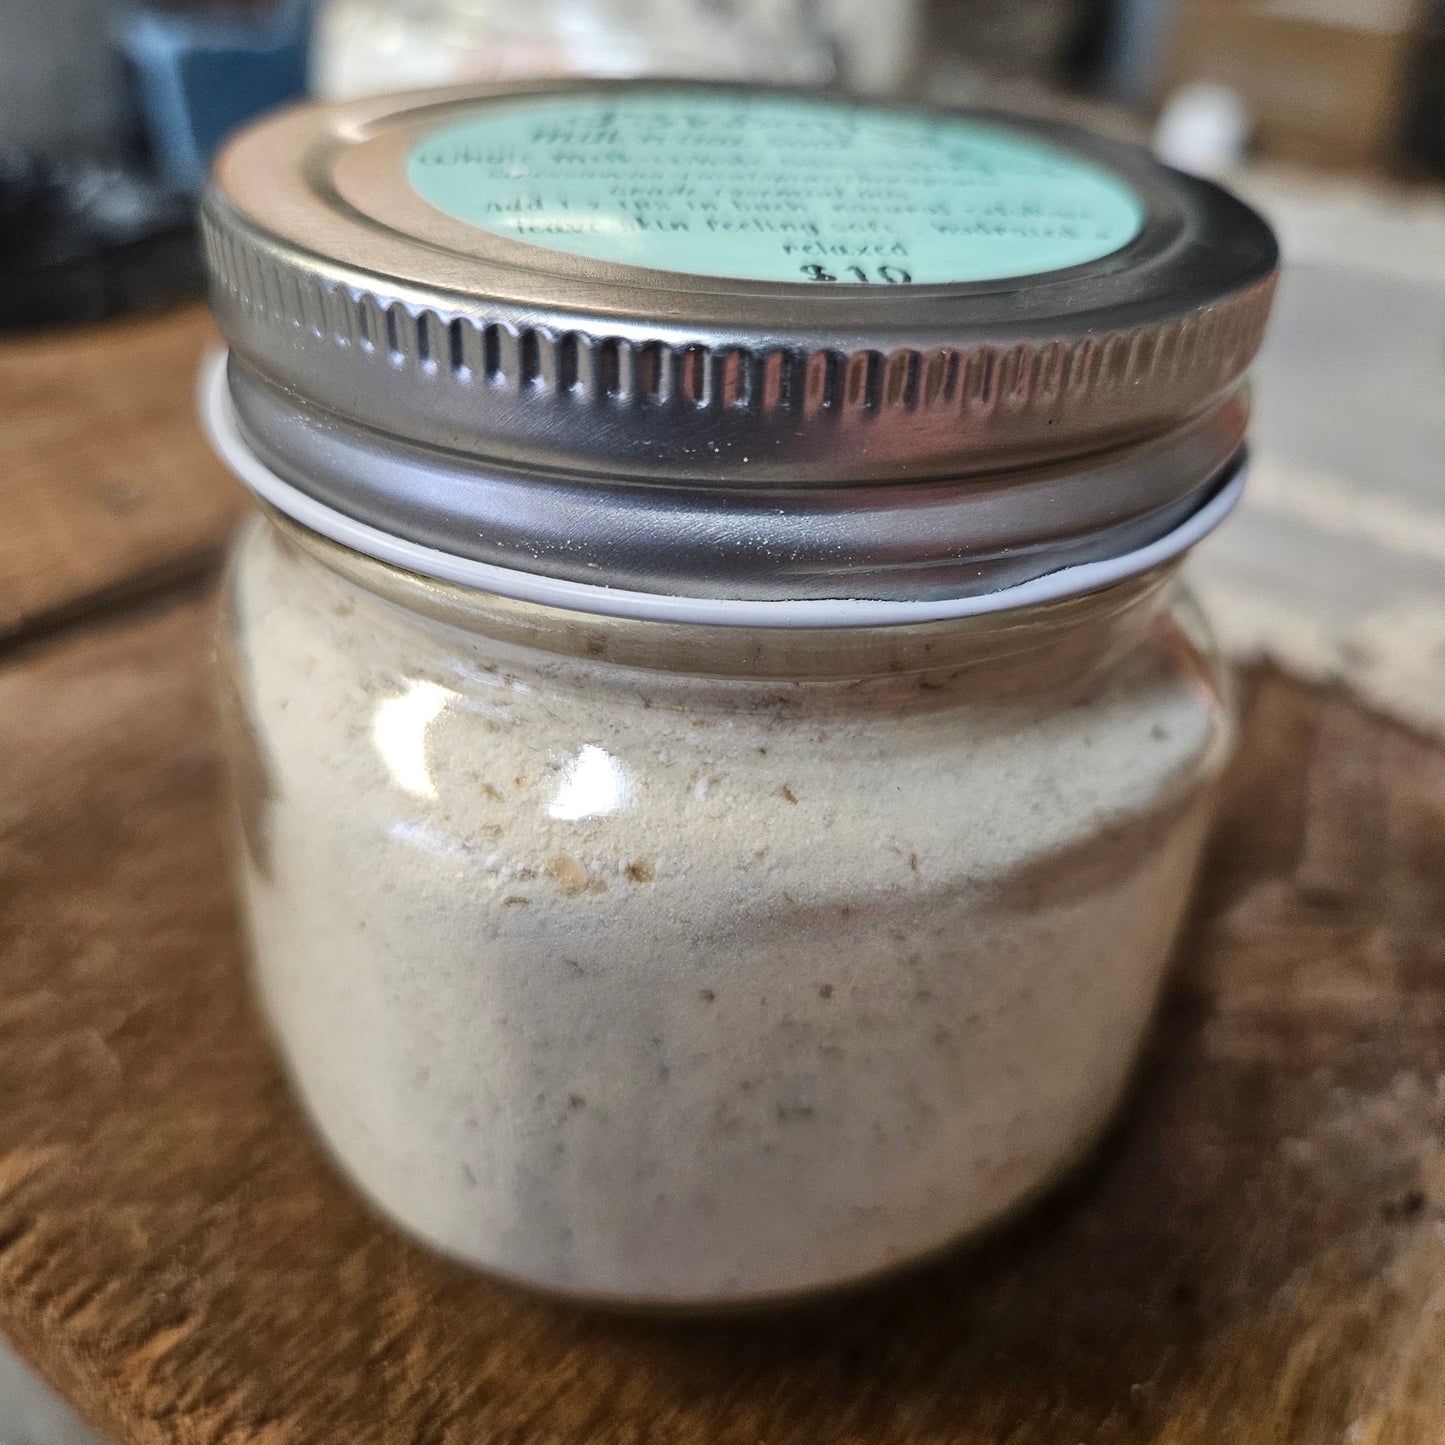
[[30, 1413], [1204, 129], [876, 42], [362, 47]]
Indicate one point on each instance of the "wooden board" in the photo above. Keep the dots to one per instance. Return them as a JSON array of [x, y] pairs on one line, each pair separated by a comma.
[[106, 484], [1256, 1256]]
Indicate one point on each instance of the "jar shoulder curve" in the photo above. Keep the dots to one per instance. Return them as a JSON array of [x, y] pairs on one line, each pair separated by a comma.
[[581, 773]]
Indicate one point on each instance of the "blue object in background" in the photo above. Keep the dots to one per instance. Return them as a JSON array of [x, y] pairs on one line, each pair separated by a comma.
[[1136, 39], [197, 77]]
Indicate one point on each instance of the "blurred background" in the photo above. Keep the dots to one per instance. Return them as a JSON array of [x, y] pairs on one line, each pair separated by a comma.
[[148, 91], [1339, 83], [1328, 114]]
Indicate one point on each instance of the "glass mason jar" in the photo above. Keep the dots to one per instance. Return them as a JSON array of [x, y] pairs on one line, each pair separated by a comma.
[[714, 819]]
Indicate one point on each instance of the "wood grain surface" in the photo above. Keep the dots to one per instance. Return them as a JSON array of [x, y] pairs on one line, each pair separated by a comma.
[[1255, 1256], [107, 487]]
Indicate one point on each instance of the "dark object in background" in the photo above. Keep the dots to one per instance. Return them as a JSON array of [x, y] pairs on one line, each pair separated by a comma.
[[199, 73], [87, 233], [1134, 36], [1011, 38], [1424, 128], [1085, 52], [61, 83], [82, 238]]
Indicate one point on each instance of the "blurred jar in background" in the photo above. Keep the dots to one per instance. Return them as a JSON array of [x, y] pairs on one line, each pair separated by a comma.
[[364, 46]]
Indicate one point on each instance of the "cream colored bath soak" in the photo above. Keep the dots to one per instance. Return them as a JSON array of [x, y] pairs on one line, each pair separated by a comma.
[[721, 750]]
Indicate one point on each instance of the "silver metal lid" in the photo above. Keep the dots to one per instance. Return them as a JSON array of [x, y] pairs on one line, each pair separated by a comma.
[[451, 317]]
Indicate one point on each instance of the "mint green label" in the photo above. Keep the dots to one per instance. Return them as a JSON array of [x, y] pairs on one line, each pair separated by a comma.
[[774, 188]]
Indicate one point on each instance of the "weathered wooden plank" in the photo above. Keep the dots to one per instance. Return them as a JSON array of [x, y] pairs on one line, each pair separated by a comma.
[[106, 483], [1256, 1255]]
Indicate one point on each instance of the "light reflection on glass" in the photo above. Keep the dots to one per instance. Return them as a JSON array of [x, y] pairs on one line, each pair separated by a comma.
[[399, 730], [419, 835], [593, 785]]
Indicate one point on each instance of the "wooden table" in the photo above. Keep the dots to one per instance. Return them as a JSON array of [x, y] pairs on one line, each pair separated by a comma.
[[1257, 1254]]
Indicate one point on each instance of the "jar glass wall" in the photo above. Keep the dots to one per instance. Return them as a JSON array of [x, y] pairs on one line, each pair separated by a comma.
[[702, 965]]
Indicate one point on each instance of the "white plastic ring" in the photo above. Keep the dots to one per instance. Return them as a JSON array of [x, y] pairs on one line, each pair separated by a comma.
[[219, 421]]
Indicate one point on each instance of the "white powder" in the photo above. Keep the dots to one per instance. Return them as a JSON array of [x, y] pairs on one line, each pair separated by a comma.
[[694, 990]]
